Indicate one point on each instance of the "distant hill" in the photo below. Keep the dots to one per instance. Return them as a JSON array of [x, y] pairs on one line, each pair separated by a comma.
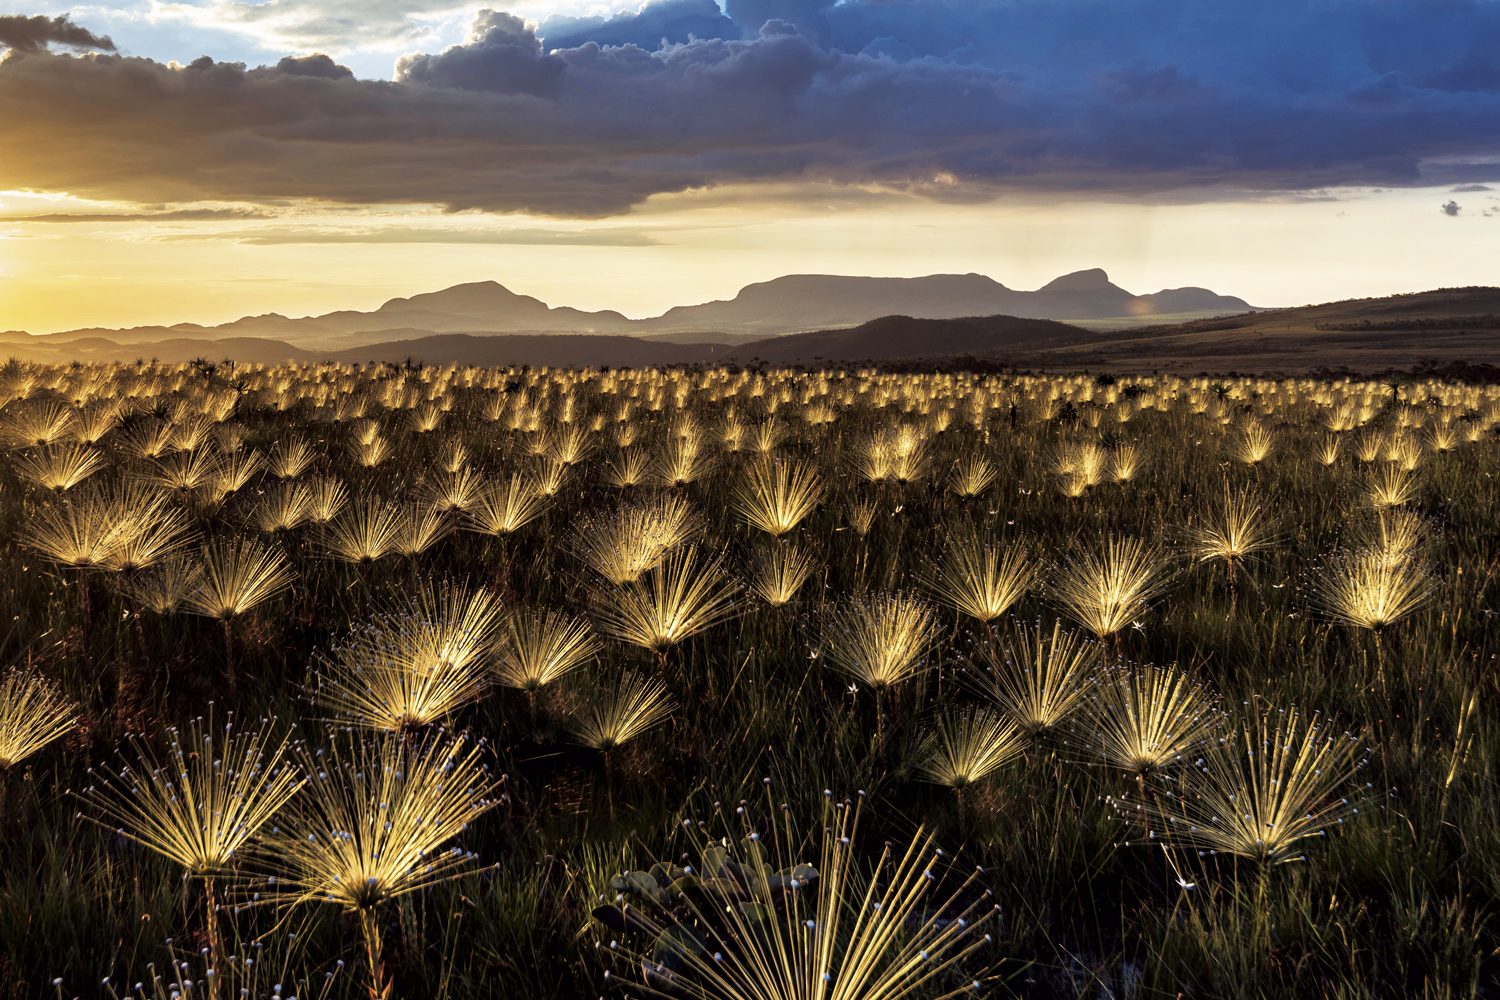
[[1399, 331], [1374, 334], [896, 337], [791, 304]]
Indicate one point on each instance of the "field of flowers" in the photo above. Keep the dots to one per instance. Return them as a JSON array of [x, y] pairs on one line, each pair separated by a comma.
[[343, 681]]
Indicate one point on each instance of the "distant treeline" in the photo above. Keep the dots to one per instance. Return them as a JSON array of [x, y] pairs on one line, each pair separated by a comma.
[[1489, 321]]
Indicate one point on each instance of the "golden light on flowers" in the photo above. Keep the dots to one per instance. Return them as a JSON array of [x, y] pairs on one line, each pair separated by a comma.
[[186, 470], [235, 471], [966, 745], [33, 713], [1367, 589], [971, 476], [418, 528], [628, 469], [370, 454], [760, 921], [414, 667], [861, 516], [1038, 680], [1144, 718], [200, 806], [1080, 462], [550, 476], [1126, 463], [327, 497], [777, 496], [780, 571], [205, 799], [1329, 449], [371, 825], [1261, 793], [875, 458], [282, 508], [683, 460], [536, 648], [451, 492], [616, 713], [504, 507], [365, 531], [624, 543], [1111, 586], [78, 531], [148, 529], [676, 600], [165, 587], [1255, 444], [1238, 528], [979, 578], [37, 425], [60, 467], [1397, 535], [1390, 486], [878, 585], [290, 458], [880, 641], [151, 439]]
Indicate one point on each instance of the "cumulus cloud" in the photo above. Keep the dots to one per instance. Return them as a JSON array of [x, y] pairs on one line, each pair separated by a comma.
[[947, 99], [502, 54], [28, 34], [1449, 208]]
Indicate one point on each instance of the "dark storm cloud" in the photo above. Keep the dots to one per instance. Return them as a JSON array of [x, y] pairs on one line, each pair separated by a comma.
[[955, 101], [502, 54], [28, 34]]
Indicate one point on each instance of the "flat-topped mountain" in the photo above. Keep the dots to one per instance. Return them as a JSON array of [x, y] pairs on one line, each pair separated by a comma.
[[794, 303], [799, 302]]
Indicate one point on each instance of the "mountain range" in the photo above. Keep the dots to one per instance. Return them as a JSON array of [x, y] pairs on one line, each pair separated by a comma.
[[1448, 329], [790, 304]]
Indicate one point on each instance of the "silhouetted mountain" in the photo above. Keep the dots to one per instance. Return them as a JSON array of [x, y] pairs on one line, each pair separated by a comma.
[[810, 301], [893, 337], [1371, 335], [790, 304]]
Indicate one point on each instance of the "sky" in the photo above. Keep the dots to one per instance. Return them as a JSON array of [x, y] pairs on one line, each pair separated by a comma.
[[202, 160]]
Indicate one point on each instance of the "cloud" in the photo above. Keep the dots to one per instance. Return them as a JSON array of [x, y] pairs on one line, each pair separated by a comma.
[[316, 65], [29, 34], [1449, 208], [502, 54], [1470, 188], [673, 21], [277, 236], [315, 24], [178, 215], [947, 100]]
